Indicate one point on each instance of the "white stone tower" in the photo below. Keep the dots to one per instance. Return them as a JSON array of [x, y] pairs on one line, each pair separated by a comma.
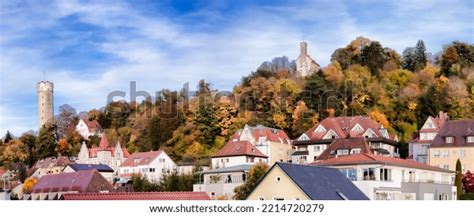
[[305, 65], [45, 102]]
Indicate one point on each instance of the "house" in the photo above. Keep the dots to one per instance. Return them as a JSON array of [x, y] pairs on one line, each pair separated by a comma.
[[53, 187], [313, 142], [138, 196], [286, 181], [272, 142], [418, 147], [153, 165], [49, 166], [104, 170], [104, 154], [389, 178], [220, 183], [186, 168], [455, 140], [350, 146], [236, 153], [87, 128]]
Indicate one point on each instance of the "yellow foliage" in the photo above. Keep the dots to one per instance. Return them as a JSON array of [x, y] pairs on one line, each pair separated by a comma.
[[280, 121], [63, 145], [412, 106], [379, 117], [29, 183]]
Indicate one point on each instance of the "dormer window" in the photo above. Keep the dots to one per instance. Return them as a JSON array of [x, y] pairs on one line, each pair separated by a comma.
[[470, 139], [355, 151], [449, 139], [342, 151]]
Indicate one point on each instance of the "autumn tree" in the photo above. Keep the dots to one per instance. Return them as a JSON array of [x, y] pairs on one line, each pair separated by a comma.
[[30, 142], [8, 137], [15, 152], [29, 183], [47, 141], [255, 174], [62, 148], [373, 56]]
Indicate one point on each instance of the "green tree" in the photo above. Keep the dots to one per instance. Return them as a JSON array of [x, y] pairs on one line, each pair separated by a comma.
[[409, 61], [373, 56], [255, 174], [8, 137], [47, 141], [30, 143], [205, 116], [420, 56], [458, 179], [22, 174]]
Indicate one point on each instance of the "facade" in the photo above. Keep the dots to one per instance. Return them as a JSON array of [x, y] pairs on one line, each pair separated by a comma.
[[311, 144], [220, 183], [272, 142], [138, 196], [454, 141], [237, 153], [50, 166], [389, 178], [305, 65], [88, 128], [104, 170], [45, 91], [104, 154], [419, 146], [305, 182], [152, 165], [53, 187]]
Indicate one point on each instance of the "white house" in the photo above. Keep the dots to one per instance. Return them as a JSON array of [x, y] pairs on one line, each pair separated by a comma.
[[104, 154], [237, 153], [389, 178], [152, 165], [88, 128], [418, 148]]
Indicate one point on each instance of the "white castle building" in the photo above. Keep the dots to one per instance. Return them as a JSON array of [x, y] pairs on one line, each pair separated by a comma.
[[45, 102], [305, 65], [104, 154]]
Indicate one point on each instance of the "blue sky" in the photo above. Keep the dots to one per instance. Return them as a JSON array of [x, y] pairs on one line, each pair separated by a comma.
[[90, 48]]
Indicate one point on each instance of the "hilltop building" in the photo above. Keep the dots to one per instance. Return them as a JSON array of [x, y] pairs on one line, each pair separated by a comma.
[[305, 65], [45, 102]]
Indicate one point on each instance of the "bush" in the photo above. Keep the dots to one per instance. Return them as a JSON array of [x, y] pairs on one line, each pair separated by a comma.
[[467, 196]]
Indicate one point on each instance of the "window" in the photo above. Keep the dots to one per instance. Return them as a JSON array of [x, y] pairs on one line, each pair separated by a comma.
[[462, 153], [436, 153], [261, 198], [385, 174], [449, 139], [446, 166], [278, 198], [342, 151], [351, 174], [369, 174], [250, 160], [297, 198], [152, 169], [355, 151], [317, 148], [278, 179], [446, 153], [470, 139]]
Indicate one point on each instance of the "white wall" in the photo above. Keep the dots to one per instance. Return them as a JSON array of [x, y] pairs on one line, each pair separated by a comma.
[[158, 164]]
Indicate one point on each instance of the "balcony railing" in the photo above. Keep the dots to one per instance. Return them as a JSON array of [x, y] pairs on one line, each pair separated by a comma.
[[425, 181]]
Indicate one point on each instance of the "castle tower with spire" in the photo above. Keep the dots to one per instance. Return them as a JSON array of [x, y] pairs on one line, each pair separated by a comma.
[[45, 102], [305, 65]]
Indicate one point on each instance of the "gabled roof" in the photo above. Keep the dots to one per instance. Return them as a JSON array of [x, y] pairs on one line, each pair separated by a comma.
[[343, 126], [92, 125], [98, 167], [345, 143], [459, 130], [239, 148], [104, 143], [141, 158], [105, 146], [357, 159], [138, 196], [260, 131], [321, 183], [81, 181]]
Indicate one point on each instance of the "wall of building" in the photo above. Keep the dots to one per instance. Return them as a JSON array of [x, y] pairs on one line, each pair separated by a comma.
[[454, 153], [220, 162], [287, 189]]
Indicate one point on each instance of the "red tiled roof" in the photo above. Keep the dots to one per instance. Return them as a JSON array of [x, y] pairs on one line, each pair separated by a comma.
[[376, 159], [459, 130], [345, 143], [105, 146], [138, 196], [141, 158], [343, 126], [271, 134], [104, 143], [239, 148], [92, 125], [81, 181]]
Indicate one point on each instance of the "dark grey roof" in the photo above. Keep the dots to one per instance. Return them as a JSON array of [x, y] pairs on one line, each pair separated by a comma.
[[238, 168], [322, 183], [98, 167], [296, 153]]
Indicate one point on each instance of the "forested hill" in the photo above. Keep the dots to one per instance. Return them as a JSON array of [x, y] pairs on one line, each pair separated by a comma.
[[364, 78]]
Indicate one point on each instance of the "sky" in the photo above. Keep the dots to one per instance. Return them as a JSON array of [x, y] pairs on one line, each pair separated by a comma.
[[91, 48]]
